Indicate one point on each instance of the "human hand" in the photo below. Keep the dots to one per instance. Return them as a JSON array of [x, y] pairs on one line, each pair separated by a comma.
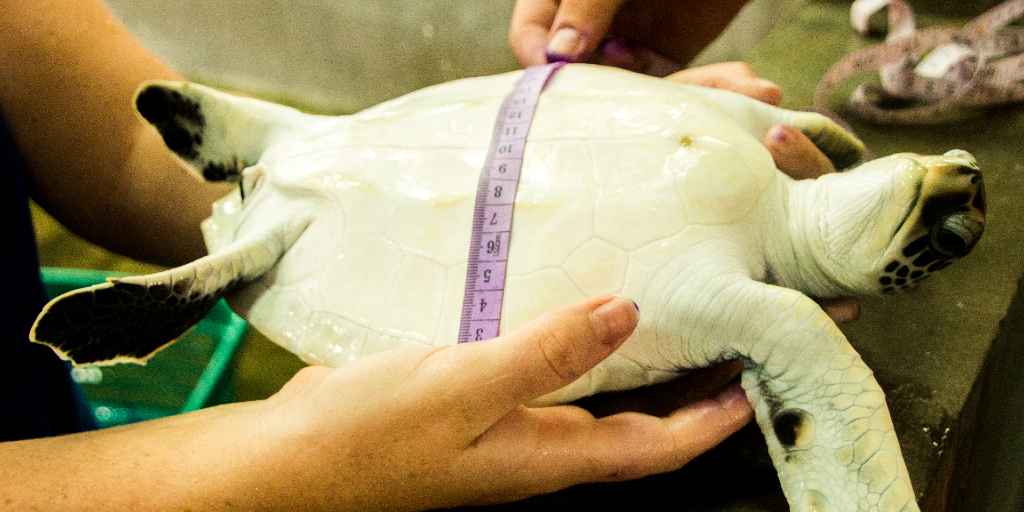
[[416, 429], [641, 33]]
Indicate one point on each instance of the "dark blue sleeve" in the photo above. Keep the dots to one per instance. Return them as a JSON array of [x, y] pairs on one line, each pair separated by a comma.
[[38, 398]]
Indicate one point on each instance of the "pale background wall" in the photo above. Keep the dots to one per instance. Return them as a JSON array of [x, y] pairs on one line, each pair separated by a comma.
[[345, 55]]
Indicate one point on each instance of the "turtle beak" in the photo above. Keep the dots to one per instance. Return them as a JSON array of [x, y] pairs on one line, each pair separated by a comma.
[[954, 208]]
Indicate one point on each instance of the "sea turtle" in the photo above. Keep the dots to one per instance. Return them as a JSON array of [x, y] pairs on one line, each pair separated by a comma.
[[350, 236]]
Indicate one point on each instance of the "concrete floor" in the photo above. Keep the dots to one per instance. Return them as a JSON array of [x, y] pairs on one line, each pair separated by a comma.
[[927, 348]]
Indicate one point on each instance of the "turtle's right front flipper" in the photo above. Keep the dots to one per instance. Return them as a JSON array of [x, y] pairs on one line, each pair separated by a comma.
[[129, 319], [823, 415]]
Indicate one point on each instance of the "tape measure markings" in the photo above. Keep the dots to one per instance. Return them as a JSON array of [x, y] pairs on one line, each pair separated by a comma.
[[495, 202]]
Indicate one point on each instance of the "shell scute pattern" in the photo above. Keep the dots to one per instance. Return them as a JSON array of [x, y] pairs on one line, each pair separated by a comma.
[[418, 281], [597, 268], [558, 197]]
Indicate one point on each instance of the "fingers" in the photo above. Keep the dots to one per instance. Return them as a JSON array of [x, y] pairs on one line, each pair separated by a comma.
[[551, 30], [663, 399], [700, 427], [842, 310], [795, 154], [630, 445], [544, 355], [620, 53], [528, 34], [731, 76]]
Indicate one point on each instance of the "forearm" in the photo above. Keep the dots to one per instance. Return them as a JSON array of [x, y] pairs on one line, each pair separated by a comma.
[[198, 461], [245, 456], [70, 70]]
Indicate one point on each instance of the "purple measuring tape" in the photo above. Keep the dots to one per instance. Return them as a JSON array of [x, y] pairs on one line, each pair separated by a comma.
[[940, 70], [495, 200]]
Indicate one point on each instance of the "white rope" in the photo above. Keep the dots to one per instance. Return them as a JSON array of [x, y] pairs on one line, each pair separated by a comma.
[[939, 71]]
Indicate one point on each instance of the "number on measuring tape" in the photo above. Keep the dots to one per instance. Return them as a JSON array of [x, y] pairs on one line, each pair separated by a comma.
[[495, 200]]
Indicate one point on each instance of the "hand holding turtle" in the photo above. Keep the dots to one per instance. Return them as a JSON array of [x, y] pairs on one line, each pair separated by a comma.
[[632, 35], [410, 429], [445, 427]]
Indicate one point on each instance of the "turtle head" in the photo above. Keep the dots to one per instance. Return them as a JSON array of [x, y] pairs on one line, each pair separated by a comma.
[[891, 222], [942, 224]]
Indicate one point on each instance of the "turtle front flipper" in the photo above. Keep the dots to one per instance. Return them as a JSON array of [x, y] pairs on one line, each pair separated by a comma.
[[839, 145], [842, 147], [130, 319], [215, 134], [823, 415]]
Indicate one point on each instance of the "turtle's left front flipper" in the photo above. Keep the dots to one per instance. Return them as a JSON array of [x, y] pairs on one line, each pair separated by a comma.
[[130, 319], [842, 147]]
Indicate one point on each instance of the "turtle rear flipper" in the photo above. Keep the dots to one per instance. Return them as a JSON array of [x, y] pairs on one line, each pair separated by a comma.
[[130, 319], [216, 134]]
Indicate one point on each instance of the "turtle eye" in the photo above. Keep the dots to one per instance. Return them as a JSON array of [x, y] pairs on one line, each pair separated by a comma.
[[955, 234], [252, 179]]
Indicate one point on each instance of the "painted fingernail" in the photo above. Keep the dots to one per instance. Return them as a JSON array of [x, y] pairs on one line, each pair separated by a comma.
[[565, 46], [614, 320], [617, 52], [780, 135]]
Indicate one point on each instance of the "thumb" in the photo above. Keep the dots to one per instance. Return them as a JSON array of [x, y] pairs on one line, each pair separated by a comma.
[[549, 353], [578, 27]]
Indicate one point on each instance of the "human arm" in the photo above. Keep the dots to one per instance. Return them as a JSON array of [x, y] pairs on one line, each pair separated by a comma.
[[70, 70], [410, 429], [573, 29]]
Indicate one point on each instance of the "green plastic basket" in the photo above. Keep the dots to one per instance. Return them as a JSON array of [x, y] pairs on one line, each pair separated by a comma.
[[180, 378]]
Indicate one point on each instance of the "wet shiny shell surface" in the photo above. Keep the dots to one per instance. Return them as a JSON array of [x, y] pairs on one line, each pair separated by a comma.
[[617, 166]]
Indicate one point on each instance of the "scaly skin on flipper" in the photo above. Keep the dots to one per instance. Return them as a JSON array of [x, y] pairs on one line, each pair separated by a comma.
[[822, 413]]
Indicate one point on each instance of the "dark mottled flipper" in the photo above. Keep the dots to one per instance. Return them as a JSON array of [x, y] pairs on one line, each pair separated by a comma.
[[839, 144], [217, 135], [130, 319], [842, 147]]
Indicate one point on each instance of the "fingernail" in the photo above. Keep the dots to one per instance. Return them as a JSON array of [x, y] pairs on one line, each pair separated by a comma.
[[771, 93], [614, 320], [565, 46], [780, 137]]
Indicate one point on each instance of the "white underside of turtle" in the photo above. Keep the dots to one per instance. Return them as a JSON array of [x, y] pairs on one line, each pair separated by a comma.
[[353, 235]]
